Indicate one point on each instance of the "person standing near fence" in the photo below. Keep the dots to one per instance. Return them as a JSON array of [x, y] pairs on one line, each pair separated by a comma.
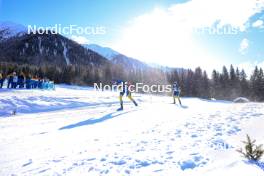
[[10, 81], [21, 80], [2, 79], [15, 80], [28, 82]]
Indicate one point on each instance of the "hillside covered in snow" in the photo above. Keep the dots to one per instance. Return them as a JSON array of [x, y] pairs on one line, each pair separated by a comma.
[[76, 131]]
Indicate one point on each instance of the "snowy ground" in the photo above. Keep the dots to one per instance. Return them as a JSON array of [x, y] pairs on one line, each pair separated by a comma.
[[78, 132]]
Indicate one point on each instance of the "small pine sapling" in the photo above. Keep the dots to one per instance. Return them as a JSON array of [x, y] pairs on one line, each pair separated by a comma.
[[251, 151]]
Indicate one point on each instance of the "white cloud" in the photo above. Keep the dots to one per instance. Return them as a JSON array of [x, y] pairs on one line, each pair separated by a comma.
[[207, 12], [165, 36], [80, 39], [258, 24], [244, 45]]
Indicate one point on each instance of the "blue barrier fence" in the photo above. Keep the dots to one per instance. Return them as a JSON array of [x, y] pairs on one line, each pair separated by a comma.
[[30, 84]]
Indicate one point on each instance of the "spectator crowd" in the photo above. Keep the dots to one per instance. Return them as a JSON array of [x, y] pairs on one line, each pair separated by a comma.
[[14, 81]]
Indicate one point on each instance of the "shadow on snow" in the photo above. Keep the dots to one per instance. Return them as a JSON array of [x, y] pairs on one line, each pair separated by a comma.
[[95, 121], [39, 104]]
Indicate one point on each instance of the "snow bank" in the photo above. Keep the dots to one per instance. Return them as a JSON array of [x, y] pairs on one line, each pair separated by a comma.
[[241, 100]]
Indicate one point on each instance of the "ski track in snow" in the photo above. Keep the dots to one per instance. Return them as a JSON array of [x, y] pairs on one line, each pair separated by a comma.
[[75, 131]]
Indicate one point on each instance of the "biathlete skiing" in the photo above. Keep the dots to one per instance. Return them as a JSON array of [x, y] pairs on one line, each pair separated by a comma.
[[176, 93], [125, 88]]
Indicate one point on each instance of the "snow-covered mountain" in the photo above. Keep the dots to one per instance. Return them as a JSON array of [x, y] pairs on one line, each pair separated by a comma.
[[13, 28], [77, 131], [130, 64], [104, 51], [121, 58], [41, 49]]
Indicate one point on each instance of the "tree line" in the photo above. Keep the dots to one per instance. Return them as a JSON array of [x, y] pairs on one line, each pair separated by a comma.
[[227, 84]]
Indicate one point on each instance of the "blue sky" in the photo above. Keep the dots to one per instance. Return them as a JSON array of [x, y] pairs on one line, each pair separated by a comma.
[[158, 31], [110, 14]]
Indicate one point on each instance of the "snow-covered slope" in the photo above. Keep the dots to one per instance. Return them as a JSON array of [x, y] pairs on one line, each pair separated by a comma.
[[104, 51], [77, 131]]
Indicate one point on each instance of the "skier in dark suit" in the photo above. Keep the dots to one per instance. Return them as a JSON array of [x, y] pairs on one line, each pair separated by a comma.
[[176, 92]]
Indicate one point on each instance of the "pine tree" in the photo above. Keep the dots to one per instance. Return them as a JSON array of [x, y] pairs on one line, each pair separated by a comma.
[[252, 151], [232, 74], [232, 86], [244, 84], [189, 83], [254, 84], [198, 82], [215, 87], [225, 78], [260, 85], [205, 86], [237, 83], [224, 82]]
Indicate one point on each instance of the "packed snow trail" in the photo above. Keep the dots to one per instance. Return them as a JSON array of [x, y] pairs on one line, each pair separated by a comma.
[[76, 131]]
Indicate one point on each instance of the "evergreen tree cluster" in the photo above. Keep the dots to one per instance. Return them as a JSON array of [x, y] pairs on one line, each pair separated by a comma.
[[227, 84], [234, 83]]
